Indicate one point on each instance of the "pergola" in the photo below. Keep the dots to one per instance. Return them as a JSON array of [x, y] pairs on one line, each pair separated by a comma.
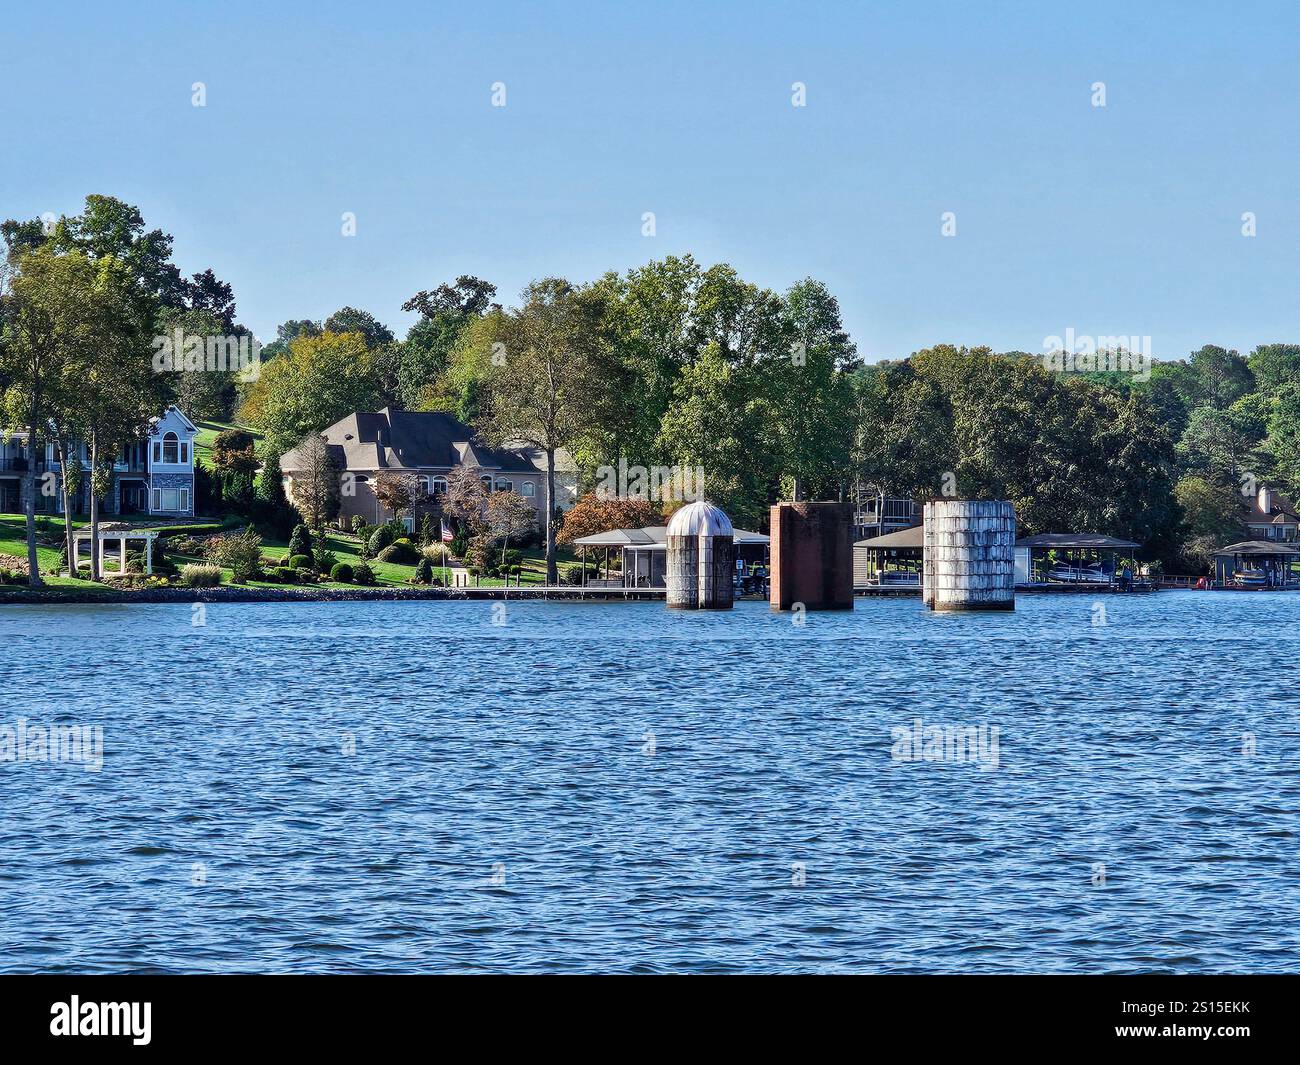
[[1274, 560], [120, 534]]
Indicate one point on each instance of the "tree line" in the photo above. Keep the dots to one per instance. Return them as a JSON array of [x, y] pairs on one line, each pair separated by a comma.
[[669, 364]]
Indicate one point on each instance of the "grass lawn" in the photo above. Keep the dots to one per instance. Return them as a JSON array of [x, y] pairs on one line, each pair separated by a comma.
[[207, 436], [13, 541]]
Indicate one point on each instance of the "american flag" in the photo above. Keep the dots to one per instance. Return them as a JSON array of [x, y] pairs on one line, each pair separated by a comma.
[[447, 537]]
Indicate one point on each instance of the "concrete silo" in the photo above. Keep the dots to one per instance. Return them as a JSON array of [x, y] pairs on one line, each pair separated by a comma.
[[701, 558], [969, 555]]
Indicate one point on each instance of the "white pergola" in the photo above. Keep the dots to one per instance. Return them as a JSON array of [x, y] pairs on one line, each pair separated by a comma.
[[121, 536]]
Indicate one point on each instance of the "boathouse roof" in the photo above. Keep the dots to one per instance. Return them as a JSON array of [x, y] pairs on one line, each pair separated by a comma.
[[653, 536], [1258, 547], [911, 537], [1076, 540]]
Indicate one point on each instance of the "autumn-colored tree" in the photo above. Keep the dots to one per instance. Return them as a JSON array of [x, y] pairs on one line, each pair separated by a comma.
[[594, 513], [543, 382]]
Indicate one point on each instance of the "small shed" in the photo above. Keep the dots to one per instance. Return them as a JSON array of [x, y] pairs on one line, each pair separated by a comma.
[[1070, 558], [893, 559], [1257, 564]]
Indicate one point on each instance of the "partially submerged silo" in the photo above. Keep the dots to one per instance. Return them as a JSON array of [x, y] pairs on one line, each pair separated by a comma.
[[701, 558], [969, 555]]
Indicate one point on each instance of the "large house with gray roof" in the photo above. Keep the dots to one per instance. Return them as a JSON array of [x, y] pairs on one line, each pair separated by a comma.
[[426, 446]]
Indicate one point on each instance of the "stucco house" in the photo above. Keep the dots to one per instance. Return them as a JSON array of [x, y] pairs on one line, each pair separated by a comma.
[[151, 476], [427, 446]]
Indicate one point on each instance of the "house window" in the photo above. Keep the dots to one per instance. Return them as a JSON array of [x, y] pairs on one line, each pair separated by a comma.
[[487, 482], [157, 497], [440, 486], [185, 500], [505, 486], [157, 451], [171, 447], [185, 454], [528, 489], [169, 498]]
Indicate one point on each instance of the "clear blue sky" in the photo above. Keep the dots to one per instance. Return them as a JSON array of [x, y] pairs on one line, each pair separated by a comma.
[[1122, 220]]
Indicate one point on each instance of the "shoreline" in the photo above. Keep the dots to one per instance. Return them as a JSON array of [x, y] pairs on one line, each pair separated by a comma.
[[231, 594]]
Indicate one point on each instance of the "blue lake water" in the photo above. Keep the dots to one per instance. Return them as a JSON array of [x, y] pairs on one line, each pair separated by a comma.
[[615, 787]]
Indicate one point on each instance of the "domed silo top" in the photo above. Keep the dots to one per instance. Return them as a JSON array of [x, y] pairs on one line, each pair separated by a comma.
[[700, 519]]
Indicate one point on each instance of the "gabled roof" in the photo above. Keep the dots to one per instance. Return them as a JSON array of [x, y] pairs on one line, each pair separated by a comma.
[[1281, 512], [1258, 547], [173, 409], [400, 440]]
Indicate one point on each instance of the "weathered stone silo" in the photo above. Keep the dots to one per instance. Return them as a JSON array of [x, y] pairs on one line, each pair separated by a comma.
[[701, 558], [812, 556], [969, 555]]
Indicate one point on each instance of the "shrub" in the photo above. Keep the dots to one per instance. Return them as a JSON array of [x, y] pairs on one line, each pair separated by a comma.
[[300, 543], [341, 572], [424, 572], [299, 562], [285, 575], [358, 523], [403, 553], [186, 545], [198, 528], [326, 561], [306, 576], [200, 575], [240, 552], [380, 539], [363, 574]]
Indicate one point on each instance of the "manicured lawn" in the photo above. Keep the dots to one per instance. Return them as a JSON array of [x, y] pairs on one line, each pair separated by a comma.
[[207, 436], [13, 541]]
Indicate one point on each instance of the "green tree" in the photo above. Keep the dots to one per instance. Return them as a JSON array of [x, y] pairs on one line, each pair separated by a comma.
[[809, 393], [1223, 376], [50, 332], [1211, 517], [1274, 366], [545, 388], [351, 320], [316, 382], [716, 422]]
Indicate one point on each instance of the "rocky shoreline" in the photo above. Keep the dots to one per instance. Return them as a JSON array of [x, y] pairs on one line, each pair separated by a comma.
[[229, 594]]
